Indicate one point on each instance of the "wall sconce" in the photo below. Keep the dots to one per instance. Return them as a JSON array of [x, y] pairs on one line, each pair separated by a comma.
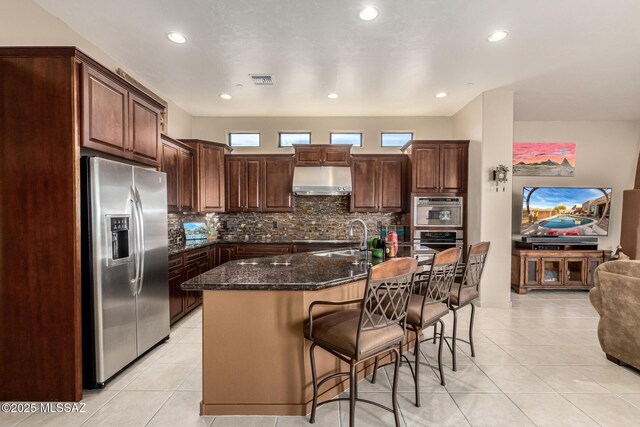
[[500, 176]]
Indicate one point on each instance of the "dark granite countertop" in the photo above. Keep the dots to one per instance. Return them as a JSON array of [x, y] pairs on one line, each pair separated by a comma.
[[197, 244], [309, 271]]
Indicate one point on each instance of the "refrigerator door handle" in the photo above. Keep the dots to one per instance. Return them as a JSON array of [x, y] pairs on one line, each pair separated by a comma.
[[140, 246], [136, 242]]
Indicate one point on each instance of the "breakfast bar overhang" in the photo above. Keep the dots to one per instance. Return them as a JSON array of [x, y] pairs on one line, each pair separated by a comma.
[[255, 355]]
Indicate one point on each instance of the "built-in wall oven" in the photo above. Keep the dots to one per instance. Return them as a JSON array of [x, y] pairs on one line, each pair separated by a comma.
[[437, 211], [426, 243]]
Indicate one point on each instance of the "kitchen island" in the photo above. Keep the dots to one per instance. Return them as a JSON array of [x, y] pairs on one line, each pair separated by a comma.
[[255, 356]]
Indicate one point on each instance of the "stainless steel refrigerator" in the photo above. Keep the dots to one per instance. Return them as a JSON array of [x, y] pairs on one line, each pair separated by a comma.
[[125, 295]]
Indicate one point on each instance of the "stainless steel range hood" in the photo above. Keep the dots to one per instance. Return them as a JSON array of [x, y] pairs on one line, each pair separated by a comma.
[[322, 181]]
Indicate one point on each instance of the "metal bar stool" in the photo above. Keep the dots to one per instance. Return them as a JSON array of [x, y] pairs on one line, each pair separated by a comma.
[[465, 290], [374, 329], [428, 305]]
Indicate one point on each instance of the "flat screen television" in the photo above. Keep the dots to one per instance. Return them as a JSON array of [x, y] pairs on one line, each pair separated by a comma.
[[565, 211]]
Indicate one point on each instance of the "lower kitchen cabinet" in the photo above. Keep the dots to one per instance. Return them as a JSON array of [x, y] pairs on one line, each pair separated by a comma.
[[176, 307], [225, 253], [183, 267]]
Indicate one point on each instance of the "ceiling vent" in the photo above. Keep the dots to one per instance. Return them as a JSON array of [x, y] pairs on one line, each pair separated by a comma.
[[262, 79]]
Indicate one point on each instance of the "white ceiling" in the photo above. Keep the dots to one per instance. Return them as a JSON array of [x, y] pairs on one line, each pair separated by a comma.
[[565, 59]]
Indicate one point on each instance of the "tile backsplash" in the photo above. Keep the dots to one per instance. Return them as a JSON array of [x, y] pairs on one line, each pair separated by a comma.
[[314, 217]]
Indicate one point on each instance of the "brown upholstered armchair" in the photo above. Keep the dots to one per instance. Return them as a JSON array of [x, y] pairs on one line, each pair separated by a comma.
[[616, 297]]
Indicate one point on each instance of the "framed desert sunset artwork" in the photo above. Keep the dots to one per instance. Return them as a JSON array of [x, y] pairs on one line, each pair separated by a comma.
[[544, 158]]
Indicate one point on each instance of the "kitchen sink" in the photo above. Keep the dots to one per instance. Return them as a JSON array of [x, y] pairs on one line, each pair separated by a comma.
[[337, 254]]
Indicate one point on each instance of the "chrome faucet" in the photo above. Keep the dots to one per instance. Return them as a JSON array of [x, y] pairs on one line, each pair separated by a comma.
[[363, 244]]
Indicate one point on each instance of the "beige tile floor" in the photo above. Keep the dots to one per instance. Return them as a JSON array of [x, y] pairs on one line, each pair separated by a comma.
[[538, 363]]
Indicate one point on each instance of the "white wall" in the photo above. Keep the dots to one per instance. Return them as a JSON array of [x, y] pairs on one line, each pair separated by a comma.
[[487, 122], [467, 124], [24, 23], [606, 156], [217, 129], [497, 148], [180, 122]]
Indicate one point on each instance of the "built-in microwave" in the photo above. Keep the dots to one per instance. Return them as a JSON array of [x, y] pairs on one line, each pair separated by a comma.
[[437, 211]]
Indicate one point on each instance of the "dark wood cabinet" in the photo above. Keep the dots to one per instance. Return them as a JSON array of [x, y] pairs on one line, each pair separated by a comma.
[[244, 182], [365, 182], [235, 183], [183, 267], [253, 181], [379, 183], [105, 113], [144, 130], [187, 187], [336, 155], [177, 161], [118, 121], [259, 183], [438, 166], [225, 253], [209, 175], [170, 164], [278, 184], [176, 307], [322, 155], [560, 269], [308, 155], [393, 183], [453, 168], [425, 168], [192, 299]]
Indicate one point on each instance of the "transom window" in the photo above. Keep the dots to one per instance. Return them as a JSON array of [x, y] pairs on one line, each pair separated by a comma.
[[351, 138], [396, 139], [244, 139], [287, 139]]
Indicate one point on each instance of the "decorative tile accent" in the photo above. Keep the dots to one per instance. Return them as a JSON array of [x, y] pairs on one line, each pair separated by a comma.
[[314, 217]]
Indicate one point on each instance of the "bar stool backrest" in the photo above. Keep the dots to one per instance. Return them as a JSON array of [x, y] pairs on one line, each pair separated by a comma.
[[474, 267], [386, 296], [435, 284]]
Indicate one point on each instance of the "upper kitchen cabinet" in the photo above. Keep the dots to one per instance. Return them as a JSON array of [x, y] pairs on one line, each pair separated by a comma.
[[259, 183], [322, 155], [379, 183], [209, 174], [105, 114], [177, 161], [118, 119], [336, 155], [278, 183], [144, 130], [438, 166], [244, 183]]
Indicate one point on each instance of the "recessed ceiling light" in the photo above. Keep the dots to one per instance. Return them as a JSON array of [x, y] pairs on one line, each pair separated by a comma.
[[497, 36], [225, 96], [332, 96], [177, 37], [441, 94], [369, 13]]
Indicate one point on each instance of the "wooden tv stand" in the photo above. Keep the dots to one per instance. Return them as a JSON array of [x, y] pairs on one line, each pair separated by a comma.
[[568, 267]]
